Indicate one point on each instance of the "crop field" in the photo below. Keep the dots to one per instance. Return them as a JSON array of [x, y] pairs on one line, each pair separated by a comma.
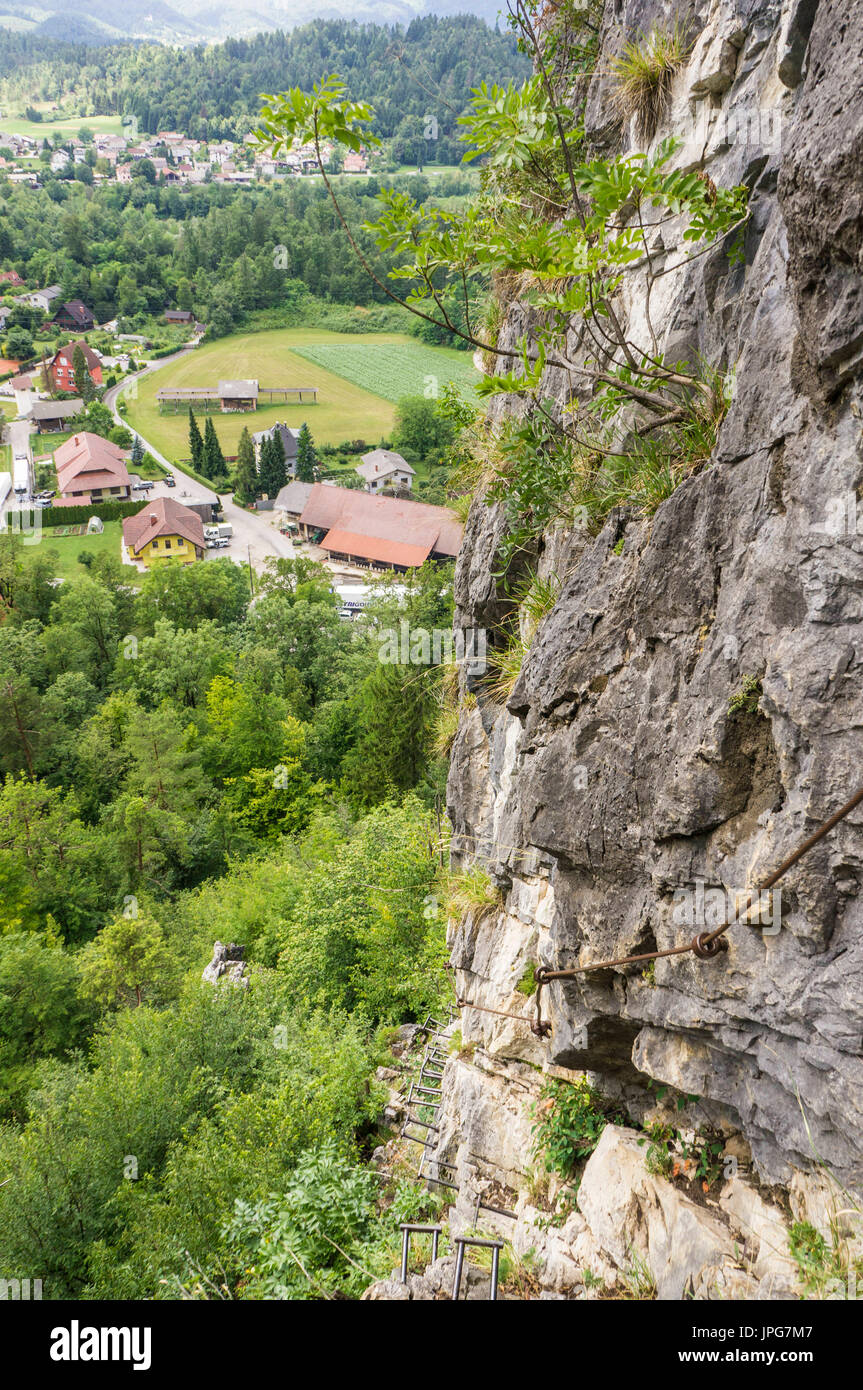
[[393, 370], [346, 408]]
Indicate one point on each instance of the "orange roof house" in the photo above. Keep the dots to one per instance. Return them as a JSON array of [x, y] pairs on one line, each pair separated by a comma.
[[164, 530], [382, 531], [90, 469]]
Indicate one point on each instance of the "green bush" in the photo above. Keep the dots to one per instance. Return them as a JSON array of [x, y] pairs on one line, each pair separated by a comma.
[[73, 516], [569, 1118]]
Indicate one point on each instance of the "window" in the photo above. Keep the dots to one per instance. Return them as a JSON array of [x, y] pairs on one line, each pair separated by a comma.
[[154, 545], [167, 545]]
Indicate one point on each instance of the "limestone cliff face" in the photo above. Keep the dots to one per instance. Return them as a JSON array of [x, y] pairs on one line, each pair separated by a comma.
[[615, 774]]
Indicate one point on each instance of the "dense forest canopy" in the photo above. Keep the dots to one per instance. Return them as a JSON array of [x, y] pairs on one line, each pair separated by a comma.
[[212, 91], [130, 249]]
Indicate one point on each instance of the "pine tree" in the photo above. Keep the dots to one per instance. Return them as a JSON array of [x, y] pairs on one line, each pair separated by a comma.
[[264, 465], [84, 386], [279, 467], [306, 456], [213, 460], [196, 443], [137, 457], [272, 466], [245, 473]]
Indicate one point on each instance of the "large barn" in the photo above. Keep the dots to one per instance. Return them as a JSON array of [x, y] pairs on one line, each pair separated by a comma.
[[383, 532]]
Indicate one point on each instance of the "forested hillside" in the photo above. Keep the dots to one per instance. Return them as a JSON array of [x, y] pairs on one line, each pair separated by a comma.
[[132, 249], [182, 766], [212, 91]]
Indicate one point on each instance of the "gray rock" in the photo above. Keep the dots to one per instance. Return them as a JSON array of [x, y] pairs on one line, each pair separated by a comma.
[[228, 964], [617, 773], [639, 1220]]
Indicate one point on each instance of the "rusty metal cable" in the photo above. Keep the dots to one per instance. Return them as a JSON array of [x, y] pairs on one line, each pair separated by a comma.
[[519, 1018], [706, 945]]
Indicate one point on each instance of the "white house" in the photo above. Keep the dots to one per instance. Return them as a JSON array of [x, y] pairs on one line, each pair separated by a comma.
[[41, 299], [382, 468]]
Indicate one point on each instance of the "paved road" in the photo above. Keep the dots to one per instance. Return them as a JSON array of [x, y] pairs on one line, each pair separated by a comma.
[[17, 435], [253, 536]]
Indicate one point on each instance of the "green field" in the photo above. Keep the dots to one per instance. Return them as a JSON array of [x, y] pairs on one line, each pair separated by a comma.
[[345, 409], [393, 370], [104, 125]]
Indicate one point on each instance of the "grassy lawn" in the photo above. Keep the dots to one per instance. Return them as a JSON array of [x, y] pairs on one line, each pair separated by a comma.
[[104, 125], [47, 443], [343, 411], [68, 548]]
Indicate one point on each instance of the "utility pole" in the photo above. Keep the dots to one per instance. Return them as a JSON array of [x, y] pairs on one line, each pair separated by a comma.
[[251, 571]]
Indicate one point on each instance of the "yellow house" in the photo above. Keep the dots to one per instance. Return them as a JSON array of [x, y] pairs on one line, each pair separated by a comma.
[[164, 530]]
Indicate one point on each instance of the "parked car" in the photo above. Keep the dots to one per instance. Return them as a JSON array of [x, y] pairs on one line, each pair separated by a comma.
[[170, 480], [145, 484], [49, 492], [43, 502]]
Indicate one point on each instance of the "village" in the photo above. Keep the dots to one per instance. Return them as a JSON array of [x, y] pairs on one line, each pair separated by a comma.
[[168, 157], [61, 465]]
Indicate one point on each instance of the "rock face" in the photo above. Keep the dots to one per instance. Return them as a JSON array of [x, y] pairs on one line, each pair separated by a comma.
[[619, 776], [228, 963]]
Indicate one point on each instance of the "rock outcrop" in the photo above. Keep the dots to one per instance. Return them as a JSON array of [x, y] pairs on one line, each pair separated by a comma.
[[622, 771], [228, 964]]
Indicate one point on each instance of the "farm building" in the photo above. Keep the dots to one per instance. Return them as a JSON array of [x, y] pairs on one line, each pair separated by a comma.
[[292, 499], [238, 395], [50, 416], [230, 396], [383, 532]]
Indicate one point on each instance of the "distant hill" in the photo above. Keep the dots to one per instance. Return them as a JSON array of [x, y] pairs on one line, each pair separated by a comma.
[[191, 21], [213, 91], [102, 21]]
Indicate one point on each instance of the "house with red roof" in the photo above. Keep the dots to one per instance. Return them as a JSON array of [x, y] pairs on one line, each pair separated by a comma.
[[90, 469], [383, 532], [163, 530]]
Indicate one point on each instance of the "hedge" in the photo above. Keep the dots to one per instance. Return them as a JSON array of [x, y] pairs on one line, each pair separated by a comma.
[[106, 511], [186, 467]]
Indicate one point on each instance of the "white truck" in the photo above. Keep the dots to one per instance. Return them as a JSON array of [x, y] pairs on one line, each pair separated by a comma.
[[5, 486], [21, 475]]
